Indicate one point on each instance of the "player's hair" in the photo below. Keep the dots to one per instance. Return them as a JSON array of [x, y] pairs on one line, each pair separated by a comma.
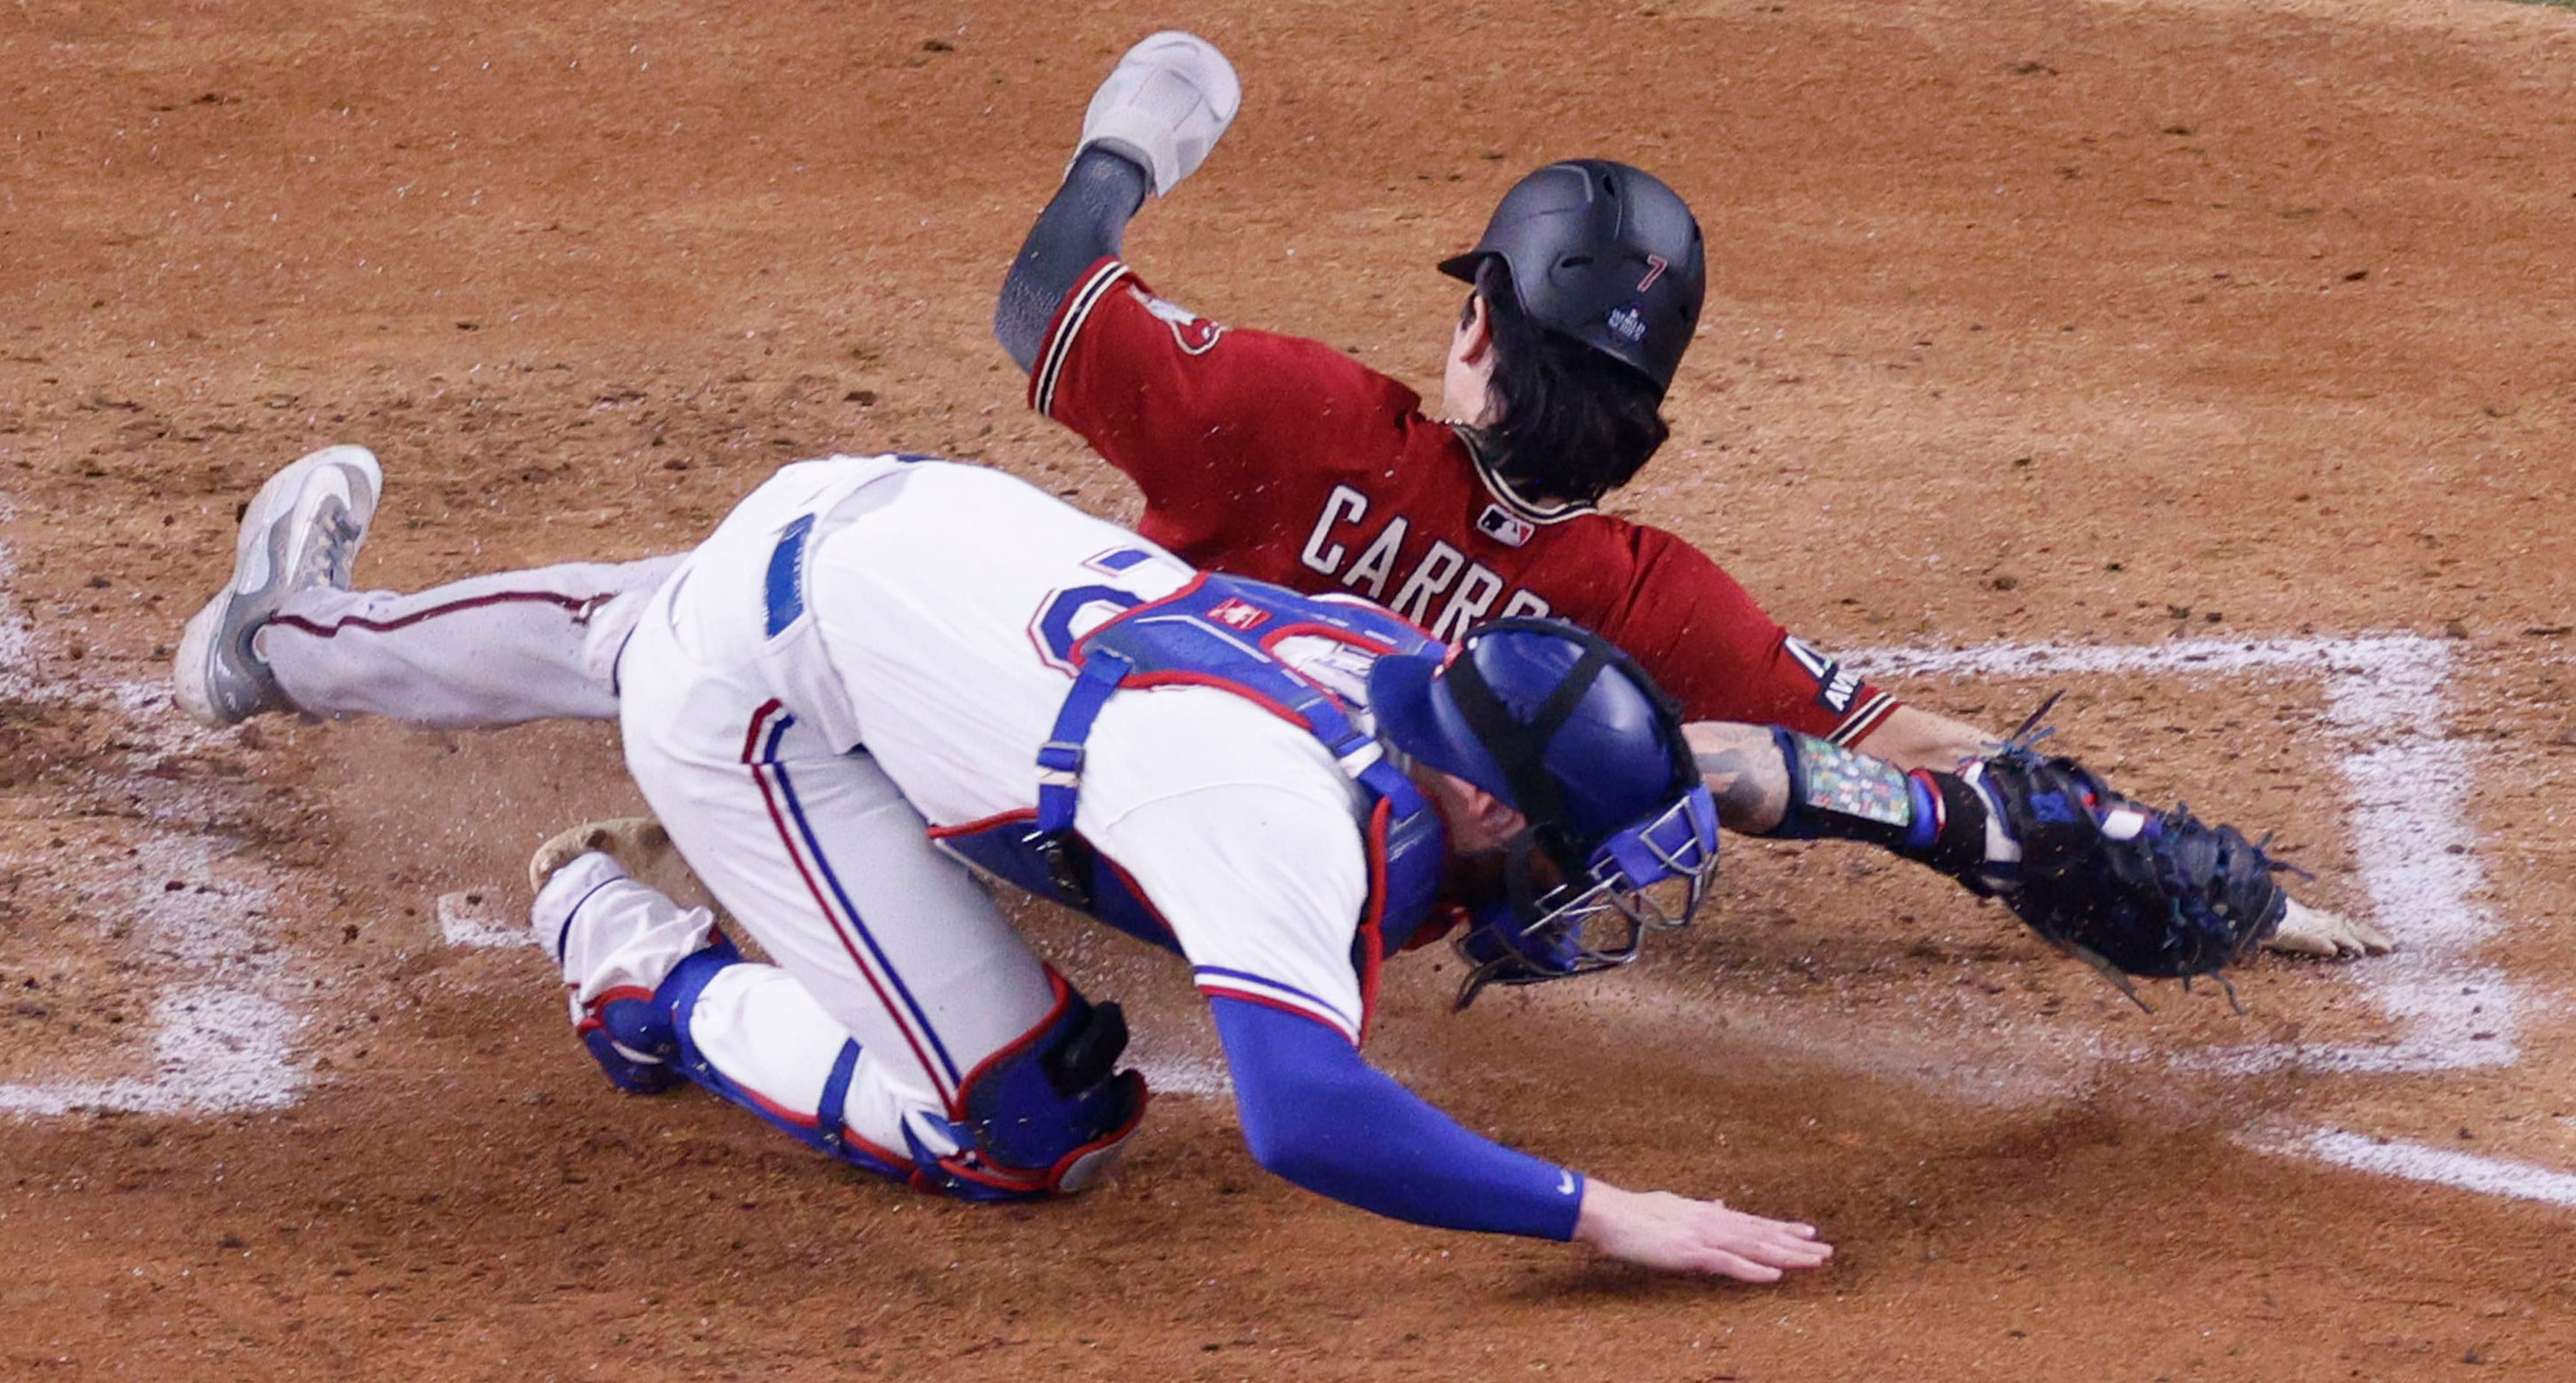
[[1569, 423]]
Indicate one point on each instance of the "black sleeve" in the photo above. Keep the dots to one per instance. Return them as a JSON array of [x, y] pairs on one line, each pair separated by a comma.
[[1086, 221]]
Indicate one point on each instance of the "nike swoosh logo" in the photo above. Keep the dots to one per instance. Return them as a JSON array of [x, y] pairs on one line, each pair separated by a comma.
[[1564, 1182]]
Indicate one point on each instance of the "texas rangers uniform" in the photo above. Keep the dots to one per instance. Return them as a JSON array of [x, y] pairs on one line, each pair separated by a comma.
[[833, 676]]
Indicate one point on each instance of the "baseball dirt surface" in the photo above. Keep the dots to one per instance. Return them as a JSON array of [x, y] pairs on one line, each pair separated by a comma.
[[2210, 360]]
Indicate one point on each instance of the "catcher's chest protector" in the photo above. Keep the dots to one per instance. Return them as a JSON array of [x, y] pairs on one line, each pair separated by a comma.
[[1219, 632]]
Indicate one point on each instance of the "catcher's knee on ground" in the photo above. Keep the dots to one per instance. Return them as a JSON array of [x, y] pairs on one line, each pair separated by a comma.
[[1043, 1117], [659, 997]]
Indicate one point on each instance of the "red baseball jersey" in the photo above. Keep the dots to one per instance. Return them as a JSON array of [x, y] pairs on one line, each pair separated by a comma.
[[1284, 460]]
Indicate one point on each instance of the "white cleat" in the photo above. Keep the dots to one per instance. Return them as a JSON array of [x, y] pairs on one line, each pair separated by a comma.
[[637, 842], [2307, 931], [302, 530]]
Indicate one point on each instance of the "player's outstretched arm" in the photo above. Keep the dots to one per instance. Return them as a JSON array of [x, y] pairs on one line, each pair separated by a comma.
[[1086, 223], [1151, 124], [1745, 772], [1913, 738], [1661, 1230], [2150, 892], [1315, 1113]]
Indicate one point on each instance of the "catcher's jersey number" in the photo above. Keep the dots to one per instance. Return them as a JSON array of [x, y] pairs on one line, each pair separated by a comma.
[[1069, 612]]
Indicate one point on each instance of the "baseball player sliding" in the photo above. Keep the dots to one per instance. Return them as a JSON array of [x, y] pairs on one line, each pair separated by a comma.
[[1284, 459]]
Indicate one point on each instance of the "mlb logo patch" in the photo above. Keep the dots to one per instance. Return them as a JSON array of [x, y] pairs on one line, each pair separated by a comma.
[[1505, 527], [1238, 614]]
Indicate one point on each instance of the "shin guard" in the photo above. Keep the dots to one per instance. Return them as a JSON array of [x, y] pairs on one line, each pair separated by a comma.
[[630, 1032], [1045, 1115], [824, 1129]]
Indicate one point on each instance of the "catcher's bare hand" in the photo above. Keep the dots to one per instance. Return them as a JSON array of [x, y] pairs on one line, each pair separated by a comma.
[[2307, 931], [1662, 1230]]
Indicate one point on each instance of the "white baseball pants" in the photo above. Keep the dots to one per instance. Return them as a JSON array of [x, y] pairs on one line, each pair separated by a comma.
[[817, 855]]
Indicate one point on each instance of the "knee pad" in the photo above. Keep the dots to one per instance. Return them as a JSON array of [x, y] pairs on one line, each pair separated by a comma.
[[1043, 1116]]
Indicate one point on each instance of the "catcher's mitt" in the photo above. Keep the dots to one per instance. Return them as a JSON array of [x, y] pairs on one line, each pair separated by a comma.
[[2126, 886]]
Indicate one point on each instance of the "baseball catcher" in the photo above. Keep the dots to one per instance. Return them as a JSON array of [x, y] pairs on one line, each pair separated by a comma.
[[881, 672]]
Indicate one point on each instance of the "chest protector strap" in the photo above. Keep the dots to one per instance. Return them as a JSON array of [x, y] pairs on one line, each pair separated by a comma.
[[1218, 633]]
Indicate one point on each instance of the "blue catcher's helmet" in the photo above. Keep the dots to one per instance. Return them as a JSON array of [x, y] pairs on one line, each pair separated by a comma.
[[1574, 736]]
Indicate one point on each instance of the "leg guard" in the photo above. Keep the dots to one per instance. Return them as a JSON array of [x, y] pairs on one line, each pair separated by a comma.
[[630, 1030], [617, 939], [1043, 1116], [827, 1128], [658, 996]]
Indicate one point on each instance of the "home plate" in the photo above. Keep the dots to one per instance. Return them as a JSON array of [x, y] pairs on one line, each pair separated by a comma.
[[475, 917]]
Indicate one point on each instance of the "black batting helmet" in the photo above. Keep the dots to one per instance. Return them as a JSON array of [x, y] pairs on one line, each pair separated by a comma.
[[1603, 253]]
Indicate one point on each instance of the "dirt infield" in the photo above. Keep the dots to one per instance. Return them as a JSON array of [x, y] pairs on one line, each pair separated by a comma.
[[2224, 354]]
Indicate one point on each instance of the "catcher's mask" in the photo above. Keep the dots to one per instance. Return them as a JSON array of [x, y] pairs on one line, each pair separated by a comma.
[[1604, 253], [1570, 733]]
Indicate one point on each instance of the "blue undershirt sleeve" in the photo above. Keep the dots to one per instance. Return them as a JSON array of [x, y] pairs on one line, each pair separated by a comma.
[[1086, 220], [1317, 1114]]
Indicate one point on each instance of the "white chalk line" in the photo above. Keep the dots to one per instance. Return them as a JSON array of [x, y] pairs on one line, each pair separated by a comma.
[[2407, 786], [221, 1043], [216, 1050], [2411, 1161], [1171, 1068]]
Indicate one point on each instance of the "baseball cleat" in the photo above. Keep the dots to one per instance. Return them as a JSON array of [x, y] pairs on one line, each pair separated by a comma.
[[633, 841], [301, 531]]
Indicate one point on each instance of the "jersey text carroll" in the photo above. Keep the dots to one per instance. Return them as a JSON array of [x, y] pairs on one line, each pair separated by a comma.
[[1438, 575]]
